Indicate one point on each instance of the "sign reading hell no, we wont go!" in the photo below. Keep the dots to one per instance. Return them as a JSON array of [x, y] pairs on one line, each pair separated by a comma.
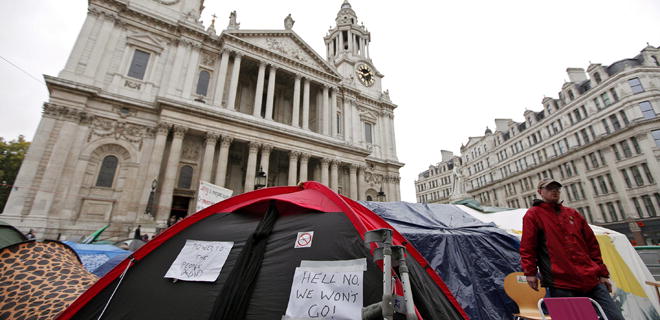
[[326, 293]]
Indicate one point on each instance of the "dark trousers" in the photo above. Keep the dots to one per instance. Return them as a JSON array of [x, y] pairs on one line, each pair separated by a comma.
[[599, 294]]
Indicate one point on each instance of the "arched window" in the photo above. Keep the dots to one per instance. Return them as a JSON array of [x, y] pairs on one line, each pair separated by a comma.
[[203, 83], [369, 198], [185, 177], [107, 172]]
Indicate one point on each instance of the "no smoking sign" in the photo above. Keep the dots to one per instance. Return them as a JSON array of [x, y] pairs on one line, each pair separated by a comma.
[[304, 239]]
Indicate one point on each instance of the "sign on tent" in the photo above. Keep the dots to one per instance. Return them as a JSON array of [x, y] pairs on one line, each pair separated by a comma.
[[324, 291], [200, 261]]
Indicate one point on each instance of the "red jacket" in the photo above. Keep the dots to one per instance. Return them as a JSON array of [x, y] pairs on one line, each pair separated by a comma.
[[558, 241]]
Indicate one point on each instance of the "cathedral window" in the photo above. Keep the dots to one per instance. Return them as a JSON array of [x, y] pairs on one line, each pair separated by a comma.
[[185, 177], [368, 133], [203, 83], [139, 64], [107, 173]]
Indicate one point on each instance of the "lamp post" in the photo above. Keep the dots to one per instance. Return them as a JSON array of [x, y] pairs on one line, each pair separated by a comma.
[[260, 180], [381, 195], [149, 209]]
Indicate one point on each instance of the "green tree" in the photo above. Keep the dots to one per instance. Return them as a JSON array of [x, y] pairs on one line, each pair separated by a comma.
[[11, 156]]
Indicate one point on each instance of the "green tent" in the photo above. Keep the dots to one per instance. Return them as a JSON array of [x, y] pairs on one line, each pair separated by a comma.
[[9, 235]]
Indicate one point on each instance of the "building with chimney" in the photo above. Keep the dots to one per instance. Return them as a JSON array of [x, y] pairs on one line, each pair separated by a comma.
[[600, 138]]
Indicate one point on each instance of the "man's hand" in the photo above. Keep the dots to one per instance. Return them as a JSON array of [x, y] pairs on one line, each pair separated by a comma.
[[604, 281], [533, 282]]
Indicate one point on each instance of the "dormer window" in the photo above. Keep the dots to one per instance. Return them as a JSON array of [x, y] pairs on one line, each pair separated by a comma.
[[597, 77], [139, 64], [571, 96]]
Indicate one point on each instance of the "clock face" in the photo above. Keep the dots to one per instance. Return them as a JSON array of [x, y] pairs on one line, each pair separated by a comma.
[[365, 74]]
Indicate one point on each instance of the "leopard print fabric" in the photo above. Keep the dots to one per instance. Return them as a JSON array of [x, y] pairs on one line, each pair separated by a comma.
[[38, 280]]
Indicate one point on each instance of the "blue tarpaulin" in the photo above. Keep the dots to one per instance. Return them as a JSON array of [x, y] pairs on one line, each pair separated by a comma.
[[471, 256], [94, 255]]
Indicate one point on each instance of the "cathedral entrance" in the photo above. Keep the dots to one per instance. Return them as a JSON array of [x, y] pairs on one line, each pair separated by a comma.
[[180, 206]]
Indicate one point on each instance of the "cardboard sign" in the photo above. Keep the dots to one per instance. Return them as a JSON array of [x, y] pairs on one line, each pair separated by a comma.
[[325, 293], [200, 261], [209, 194], [304, 239]]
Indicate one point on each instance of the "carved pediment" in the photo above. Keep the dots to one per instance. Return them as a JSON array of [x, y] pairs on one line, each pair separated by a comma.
[[145, 41], [285, 43]]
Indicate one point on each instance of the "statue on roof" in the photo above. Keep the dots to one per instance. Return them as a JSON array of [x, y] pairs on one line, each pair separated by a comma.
[[233, 25], [288, 22]]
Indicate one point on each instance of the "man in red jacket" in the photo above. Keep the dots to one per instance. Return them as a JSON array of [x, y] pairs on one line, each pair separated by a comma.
[[559, 242]]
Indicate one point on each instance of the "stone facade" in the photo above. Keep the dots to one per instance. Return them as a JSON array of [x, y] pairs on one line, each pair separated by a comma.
[[148, 96], [601, 138]]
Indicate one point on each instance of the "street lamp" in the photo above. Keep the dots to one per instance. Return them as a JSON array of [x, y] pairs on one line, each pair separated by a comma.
[[149, 209], [381, 195], [260, 180]]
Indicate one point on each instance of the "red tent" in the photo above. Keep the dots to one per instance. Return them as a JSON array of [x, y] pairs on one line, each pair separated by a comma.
[[339, 224]]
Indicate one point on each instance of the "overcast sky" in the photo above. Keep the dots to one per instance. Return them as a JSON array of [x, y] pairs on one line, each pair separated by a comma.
[[452, 67]]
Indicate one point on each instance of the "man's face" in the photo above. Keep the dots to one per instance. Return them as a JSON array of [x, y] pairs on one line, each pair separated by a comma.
[[550, 193]]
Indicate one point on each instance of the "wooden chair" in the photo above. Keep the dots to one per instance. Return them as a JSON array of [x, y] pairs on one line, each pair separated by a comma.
[[516, 287]]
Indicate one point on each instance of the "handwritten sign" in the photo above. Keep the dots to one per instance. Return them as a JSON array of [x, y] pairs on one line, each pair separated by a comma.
[[324, 293], [200, 261], [209, 194]]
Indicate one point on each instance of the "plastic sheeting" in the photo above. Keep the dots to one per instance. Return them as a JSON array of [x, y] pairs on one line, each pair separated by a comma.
[[471, 256], [95, 255]]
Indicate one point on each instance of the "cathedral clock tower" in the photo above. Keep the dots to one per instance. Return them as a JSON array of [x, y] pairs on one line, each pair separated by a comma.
[[347, 48]]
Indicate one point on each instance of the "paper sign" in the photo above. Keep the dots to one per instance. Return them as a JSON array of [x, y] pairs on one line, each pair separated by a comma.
[[200, 261], [325, 294], [304, 239], [209, 194]]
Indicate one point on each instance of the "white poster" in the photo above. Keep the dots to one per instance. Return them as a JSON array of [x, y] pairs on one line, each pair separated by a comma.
[[209, 194], [200, 261], [325, 293]]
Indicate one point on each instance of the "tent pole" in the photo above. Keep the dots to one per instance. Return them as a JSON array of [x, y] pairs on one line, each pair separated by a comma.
[[399, 254], [383, 240]]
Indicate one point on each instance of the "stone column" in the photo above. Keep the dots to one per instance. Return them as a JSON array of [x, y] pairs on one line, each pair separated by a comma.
[[305, 113], [333, 112], [293, 162], [397, 188], [233, 84], [51, 177], [251, 166], [360, 184], [391, 188], [348, 115], [324, 171], [258, 95], [169, 180], [26, 181], [304, 164], [155, 162], [209, 151], [193, 67], [353, 180], [295, 120], [265, 157], [221, 172], [334, 175], [222, 76], [324, 113], [390, 120], [270, 96]]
